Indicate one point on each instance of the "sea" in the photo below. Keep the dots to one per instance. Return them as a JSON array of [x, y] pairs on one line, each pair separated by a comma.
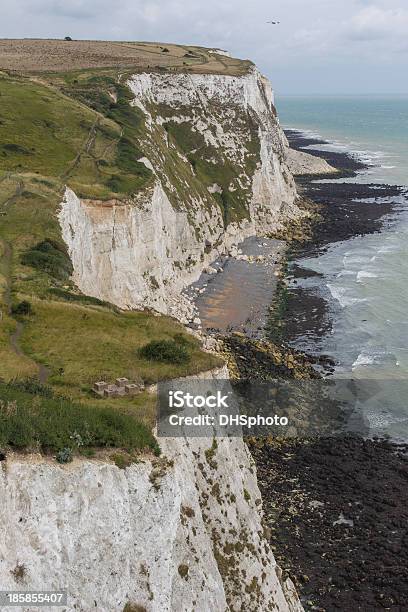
[[365, 279]]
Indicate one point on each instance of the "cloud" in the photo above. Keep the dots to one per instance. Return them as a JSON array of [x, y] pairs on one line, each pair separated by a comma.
[[375, 23], [72, 9], [314, 38]]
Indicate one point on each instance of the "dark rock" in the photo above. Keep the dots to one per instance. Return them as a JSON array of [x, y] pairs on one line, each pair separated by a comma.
[[362, 568]]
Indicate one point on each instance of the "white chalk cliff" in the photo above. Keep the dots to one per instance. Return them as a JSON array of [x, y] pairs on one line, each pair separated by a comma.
[[301, 162], [155, 535], [180, 533], [144, 251]]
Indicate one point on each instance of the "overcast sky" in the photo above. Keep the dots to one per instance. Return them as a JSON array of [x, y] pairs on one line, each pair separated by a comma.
[[320, 46]]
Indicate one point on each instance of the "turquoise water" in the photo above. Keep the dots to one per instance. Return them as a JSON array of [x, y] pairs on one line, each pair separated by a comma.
[[366, 278], [374, 128]]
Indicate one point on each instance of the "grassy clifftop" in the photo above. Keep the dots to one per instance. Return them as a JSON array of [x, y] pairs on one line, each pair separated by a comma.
[[30, 55]]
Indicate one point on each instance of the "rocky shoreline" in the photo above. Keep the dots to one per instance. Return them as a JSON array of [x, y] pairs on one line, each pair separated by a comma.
[[337, 511], [336, 508]]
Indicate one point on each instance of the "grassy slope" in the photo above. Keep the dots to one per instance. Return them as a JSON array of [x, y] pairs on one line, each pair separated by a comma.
[[47, 140], [42, 421]]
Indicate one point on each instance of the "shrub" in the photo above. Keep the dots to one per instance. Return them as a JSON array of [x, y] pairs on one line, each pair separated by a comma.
[[31, 385], [19, 572], [167, 351], [127, 157], [116, 183], [80, 298], [64, 455], [50, 257], [22, 308], [247, 495], [134, 608], [121, 461], [183, 570]]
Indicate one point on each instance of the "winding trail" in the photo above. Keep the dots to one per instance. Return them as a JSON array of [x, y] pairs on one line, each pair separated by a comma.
[[86, 147], [18, 191], [43, 371]]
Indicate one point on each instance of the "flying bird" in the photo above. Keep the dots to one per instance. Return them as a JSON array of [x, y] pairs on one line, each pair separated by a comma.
[[273, 22]]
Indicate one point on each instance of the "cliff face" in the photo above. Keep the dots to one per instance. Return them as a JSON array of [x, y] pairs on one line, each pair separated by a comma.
[[145, 535], [218, 156], [182, 532]]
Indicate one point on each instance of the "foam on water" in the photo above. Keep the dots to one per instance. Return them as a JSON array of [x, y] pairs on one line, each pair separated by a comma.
[[363, 360], [340, 294], [362, 274]]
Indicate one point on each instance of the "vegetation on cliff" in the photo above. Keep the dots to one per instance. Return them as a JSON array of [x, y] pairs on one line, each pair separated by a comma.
[[33, 418], [77, 129]]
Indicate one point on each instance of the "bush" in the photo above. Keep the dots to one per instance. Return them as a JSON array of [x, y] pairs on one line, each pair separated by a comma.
[[127, 157], [121, 461], [31, 385], [116, 183], [50, 257], [183, 570], [129, 607], [64, 456], [80, 298], [15, 148], [167, 351], [22, 308]]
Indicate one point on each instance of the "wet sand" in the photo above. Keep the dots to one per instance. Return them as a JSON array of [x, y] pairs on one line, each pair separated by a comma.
[[239, 297]]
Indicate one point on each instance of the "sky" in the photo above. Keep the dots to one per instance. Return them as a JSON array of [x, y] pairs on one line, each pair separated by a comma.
[[320, 46]]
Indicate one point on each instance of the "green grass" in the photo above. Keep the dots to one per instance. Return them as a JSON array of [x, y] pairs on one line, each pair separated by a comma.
[[81, 344], [40, 131], [121, 172], [50, 424], [186, 138], [79, 298], [45, 132], [12, 366], [50, 257], [92, 343]]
